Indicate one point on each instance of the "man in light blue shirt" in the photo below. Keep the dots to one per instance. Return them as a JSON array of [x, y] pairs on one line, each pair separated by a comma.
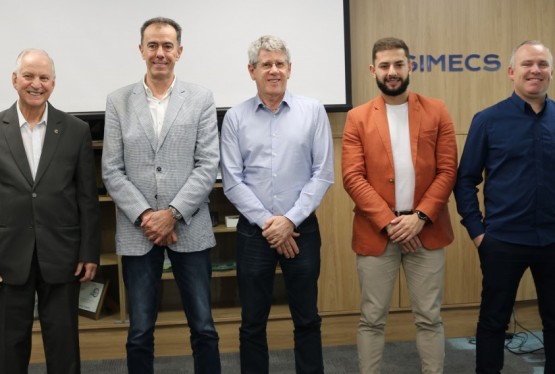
[[277, 164]]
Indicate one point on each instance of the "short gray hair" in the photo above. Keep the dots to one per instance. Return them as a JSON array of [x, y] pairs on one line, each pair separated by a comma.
[[269, 43], [23, 53], [529, 42]]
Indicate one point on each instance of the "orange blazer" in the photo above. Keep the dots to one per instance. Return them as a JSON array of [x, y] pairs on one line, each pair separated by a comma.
[[369, 177]]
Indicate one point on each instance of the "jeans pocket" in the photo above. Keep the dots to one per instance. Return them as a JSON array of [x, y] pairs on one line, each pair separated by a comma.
[[482, 245], [308, 226], [246, 229]]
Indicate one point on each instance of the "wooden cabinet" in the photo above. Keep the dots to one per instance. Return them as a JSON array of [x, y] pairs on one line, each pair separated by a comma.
[[339, 280], [225, 299], [338, 283], [110, 264], [225, 296]]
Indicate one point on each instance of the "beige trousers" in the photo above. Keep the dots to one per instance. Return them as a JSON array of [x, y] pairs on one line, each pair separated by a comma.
[[424, 271]]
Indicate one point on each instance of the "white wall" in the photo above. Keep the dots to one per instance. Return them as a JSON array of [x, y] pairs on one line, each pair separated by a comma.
[[94, 45]]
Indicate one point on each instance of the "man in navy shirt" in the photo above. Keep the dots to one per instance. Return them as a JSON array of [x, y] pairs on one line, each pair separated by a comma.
[[511, 146]]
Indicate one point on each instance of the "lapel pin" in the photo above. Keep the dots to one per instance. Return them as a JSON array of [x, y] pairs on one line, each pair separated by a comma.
[[56, 131]]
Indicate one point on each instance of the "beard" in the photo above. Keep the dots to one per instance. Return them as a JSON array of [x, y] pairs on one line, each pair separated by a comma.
[[393, 92]]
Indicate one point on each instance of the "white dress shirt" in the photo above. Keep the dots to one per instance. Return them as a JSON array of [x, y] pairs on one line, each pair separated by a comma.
[[33, 138], [158, 107]]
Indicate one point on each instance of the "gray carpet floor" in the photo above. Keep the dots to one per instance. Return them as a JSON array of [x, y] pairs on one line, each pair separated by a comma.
[[399, 358]]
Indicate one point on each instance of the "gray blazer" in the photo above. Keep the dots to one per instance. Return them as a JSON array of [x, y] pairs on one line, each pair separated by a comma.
[[57, 213], [178, 168]]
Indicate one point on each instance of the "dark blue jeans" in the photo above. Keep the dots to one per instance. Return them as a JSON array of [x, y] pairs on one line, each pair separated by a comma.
[[256, 266], [503, 265], [142, 276]]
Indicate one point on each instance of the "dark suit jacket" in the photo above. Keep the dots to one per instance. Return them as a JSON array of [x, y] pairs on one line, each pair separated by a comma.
[[369, 175], [58, 211]]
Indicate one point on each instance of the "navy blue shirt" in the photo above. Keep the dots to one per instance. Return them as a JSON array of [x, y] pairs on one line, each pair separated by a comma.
[[514, 149]]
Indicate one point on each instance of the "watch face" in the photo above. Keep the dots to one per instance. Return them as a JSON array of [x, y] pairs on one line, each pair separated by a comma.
[[175, 213], [422, 216]]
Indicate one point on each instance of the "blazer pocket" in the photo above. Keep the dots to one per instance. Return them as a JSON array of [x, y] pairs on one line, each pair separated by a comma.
[[430, 132]]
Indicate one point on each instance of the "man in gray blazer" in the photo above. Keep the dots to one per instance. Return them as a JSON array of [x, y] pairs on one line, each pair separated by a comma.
[[49, 220], [159, 164]]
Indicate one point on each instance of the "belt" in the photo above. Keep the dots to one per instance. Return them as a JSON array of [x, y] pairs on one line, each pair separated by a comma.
[[310, 217], [403, 212]]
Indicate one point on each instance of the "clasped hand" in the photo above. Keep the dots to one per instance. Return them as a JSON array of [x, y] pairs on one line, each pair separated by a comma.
[[404, 230], [279, 232], [159, 227]]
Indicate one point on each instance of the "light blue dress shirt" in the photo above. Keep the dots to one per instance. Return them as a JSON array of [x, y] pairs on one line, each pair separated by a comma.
[[277, 163]]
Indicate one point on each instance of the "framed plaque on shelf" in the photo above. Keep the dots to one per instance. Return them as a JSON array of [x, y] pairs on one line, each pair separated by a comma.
[[91, 298]]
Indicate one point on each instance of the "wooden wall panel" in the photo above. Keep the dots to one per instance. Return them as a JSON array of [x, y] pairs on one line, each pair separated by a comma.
[[429, 27], [338, 286], [447, 27]]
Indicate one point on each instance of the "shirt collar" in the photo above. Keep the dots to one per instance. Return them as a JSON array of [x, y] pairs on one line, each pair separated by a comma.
[[23, 121], [524, 106], [285, 101], [168, 92]]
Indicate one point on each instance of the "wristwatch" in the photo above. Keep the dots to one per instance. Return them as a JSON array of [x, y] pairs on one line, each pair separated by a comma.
[[175, 214], [422, 216]]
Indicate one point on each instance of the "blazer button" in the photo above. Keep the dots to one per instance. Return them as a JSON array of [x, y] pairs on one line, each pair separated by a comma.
[[391, 180], [158, 169], [34, 194]]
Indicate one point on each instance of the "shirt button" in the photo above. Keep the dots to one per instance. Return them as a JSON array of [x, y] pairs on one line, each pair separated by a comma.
[[158, 168]]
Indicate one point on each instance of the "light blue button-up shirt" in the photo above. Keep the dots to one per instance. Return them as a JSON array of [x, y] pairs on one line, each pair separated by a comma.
[[277, 163]]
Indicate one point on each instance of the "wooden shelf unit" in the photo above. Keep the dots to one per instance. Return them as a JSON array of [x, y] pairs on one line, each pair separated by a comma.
[[223, 252], [338, 292]]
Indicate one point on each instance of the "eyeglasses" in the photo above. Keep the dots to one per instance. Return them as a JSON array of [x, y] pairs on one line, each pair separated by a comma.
[[280, 65]]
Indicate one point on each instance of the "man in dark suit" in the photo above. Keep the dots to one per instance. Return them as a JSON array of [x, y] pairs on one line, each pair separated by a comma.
[[49, 220]]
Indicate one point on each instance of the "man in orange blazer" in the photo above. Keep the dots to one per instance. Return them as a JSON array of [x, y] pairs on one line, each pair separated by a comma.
[[399, 166]]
